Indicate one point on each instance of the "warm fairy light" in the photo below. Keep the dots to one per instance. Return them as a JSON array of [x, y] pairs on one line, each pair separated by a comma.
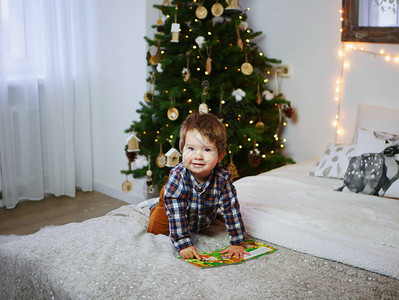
[[249, 139], [272, 152], [166, 91], [190, 100], [268, 72], [209, 33], [284, 123], [388, 58], [144, 132], [223, 102], [382, 51], [251, 122], [266, 80], [248, 31], [206, 73], [284, 140], [256, 145], [263, 155], [190, 111], [171, 136], [240, 146], [156, 140], [347, 65], [260, 53], [247, 40], [195, 20], [281, 145], [227, 125], [198, 69], [240, 17], [162, 52], [194, 47]]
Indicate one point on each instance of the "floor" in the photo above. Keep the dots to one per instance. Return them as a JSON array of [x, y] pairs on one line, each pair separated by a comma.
[[29, 216]]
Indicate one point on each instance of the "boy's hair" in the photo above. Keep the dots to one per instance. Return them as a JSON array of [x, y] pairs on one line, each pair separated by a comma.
[[209, 126]]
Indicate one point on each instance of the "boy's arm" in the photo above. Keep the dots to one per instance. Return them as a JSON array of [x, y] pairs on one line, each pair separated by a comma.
[[176, 205], [230, 210]]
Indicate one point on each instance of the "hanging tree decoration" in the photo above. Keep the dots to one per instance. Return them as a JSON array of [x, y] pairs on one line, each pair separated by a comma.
[[149, 183], [157, 56], [258, 95], [217, 9], [175, 29], [149, 95], [161, 158], [208, 65], [173, 112], [186, 74], [232, 168], [240, 43], [238, 94], [220, 114], [203, 107], [201, 12], [246, 67]]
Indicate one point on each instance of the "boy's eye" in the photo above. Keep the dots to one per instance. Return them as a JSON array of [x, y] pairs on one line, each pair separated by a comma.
[[208, 150], [191, 148]]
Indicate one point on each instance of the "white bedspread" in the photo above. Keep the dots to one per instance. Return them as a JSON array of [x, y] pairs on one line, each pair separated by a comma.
[[304, 213]]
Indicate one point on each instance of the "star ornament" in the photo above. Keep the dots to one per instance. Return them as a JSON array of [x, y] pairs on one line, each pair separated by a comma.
[[238, 94]]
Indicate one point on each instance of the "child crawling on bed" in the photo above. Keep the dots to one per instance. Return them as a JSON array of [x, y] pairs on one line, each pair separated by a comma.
[[197, 188]]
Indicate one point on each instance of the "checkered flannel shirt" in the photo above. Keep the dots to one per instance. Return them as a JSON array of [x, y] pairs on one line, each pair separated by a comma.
[[191, 206]]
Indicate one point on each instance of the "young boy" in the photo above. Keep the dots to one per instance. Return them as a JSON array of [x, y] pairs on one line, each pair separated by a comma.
[[197, 188]]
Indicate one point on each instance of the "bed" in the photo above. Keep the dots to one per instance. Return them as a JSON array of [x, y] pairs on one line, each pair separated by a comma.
[[331, 243]]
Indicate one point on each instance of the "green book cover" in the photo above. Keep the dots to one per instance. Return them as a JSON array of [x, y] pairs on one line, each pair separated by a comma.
[[215, 258]]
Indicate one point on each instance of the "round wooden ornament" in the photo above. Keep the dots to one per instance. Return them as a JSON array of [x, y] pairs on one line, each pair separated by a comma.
[[246, 68], [173, 113], [201, 12], [148, 96], [217, 9], [127, 186]]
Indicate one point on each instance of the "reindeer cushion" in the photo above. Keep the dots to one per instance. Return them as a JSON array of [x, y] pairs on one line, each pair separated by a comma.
[[376, 171], [334, 162]]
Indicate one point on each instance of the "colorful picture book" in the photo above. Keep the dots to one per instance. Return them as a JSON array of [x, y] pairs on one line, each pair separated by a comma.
[[215, 258]]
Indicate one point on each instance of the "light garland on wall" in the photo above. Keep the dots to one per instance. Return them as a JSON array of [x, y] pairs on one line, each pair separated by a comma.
[[345, 64]]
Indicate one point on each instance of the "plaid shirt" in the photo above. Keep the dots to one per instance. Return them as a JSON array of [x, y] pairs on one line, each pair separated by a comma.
[[191, 206]]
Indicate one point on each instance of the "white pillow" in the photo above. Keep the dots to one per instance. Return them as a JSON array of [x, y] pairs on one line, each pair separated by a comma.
[[376, 118], [334, 162]]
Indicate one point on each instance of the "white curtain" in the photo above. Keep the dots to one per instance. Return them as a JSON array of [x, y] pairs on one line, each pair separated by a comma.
[[45, 138]]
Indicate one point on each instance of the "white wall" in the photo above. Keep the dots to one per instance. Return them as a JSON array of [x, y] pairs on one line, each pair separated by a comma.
[[117, 83], [306, 34], [302, 33]]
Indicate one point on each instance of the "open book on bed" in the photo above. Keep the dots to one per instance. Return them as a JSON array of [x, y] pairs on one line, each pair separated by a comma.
[[215, 258]]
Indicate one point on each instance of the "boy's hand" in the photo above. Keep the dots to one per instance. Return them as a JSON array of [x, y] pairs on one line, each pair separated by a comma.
[[235, 250], [189, 252]]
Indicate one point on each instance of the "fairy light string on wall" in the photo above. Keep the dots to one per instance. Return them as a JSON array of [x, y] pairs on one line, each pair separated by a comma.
[[345, 65]]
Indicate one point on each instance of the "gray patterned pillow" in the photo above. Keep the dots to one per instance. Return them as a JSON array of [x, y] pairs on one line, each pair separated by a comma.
[[334, 162]]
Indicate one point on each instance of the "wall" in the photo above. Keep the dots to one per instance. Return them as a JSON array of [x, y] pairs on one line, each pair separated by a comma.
[[302, 33], [117, 83], [306, 34]]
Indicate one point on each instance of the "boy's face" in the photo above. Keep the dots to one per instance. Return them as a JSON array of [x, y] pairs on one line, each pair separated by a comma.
[[200, 155]]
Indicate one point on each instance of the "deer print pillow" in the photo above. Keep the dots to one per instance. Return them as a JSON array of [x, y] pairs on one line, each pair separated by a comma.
[[334, 162], [374, 170]]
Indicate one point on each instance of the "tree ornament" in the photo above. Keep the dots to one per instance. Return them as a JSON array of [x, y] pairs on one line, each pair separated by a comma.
[[232, 168], [127, 186], [288, 111], [232, 4], [267, 95], [201, 12], [260, 126], [208, 65], [175, 29], [157, 56], [149, 96], [243, 26], [240, 43], [238, 94], [246, 68], [133, 142], [254, 157], [173, 112], [186, 74], [131, 156], [161, 158], [150, 186], [200, 40], [154, 117], [172, 157], [217, 9], [203, 108]]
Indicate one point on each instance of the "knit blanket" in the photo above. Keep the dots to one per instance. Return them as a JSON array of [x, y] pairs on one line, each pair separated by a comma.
[[113, 257]]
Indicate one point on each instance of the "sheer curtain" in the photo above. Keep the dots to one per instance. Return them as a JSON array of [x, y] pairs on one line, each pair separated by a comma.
[[45, 137]]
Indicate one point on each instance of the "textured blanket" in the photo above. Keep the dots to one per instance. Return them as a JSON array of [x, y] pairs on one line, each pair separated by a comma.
[[113, 257]]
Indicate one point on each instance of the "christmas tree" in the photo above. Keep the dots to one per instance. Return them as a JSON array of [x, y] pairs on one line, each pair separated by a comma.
[[205, 60]]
